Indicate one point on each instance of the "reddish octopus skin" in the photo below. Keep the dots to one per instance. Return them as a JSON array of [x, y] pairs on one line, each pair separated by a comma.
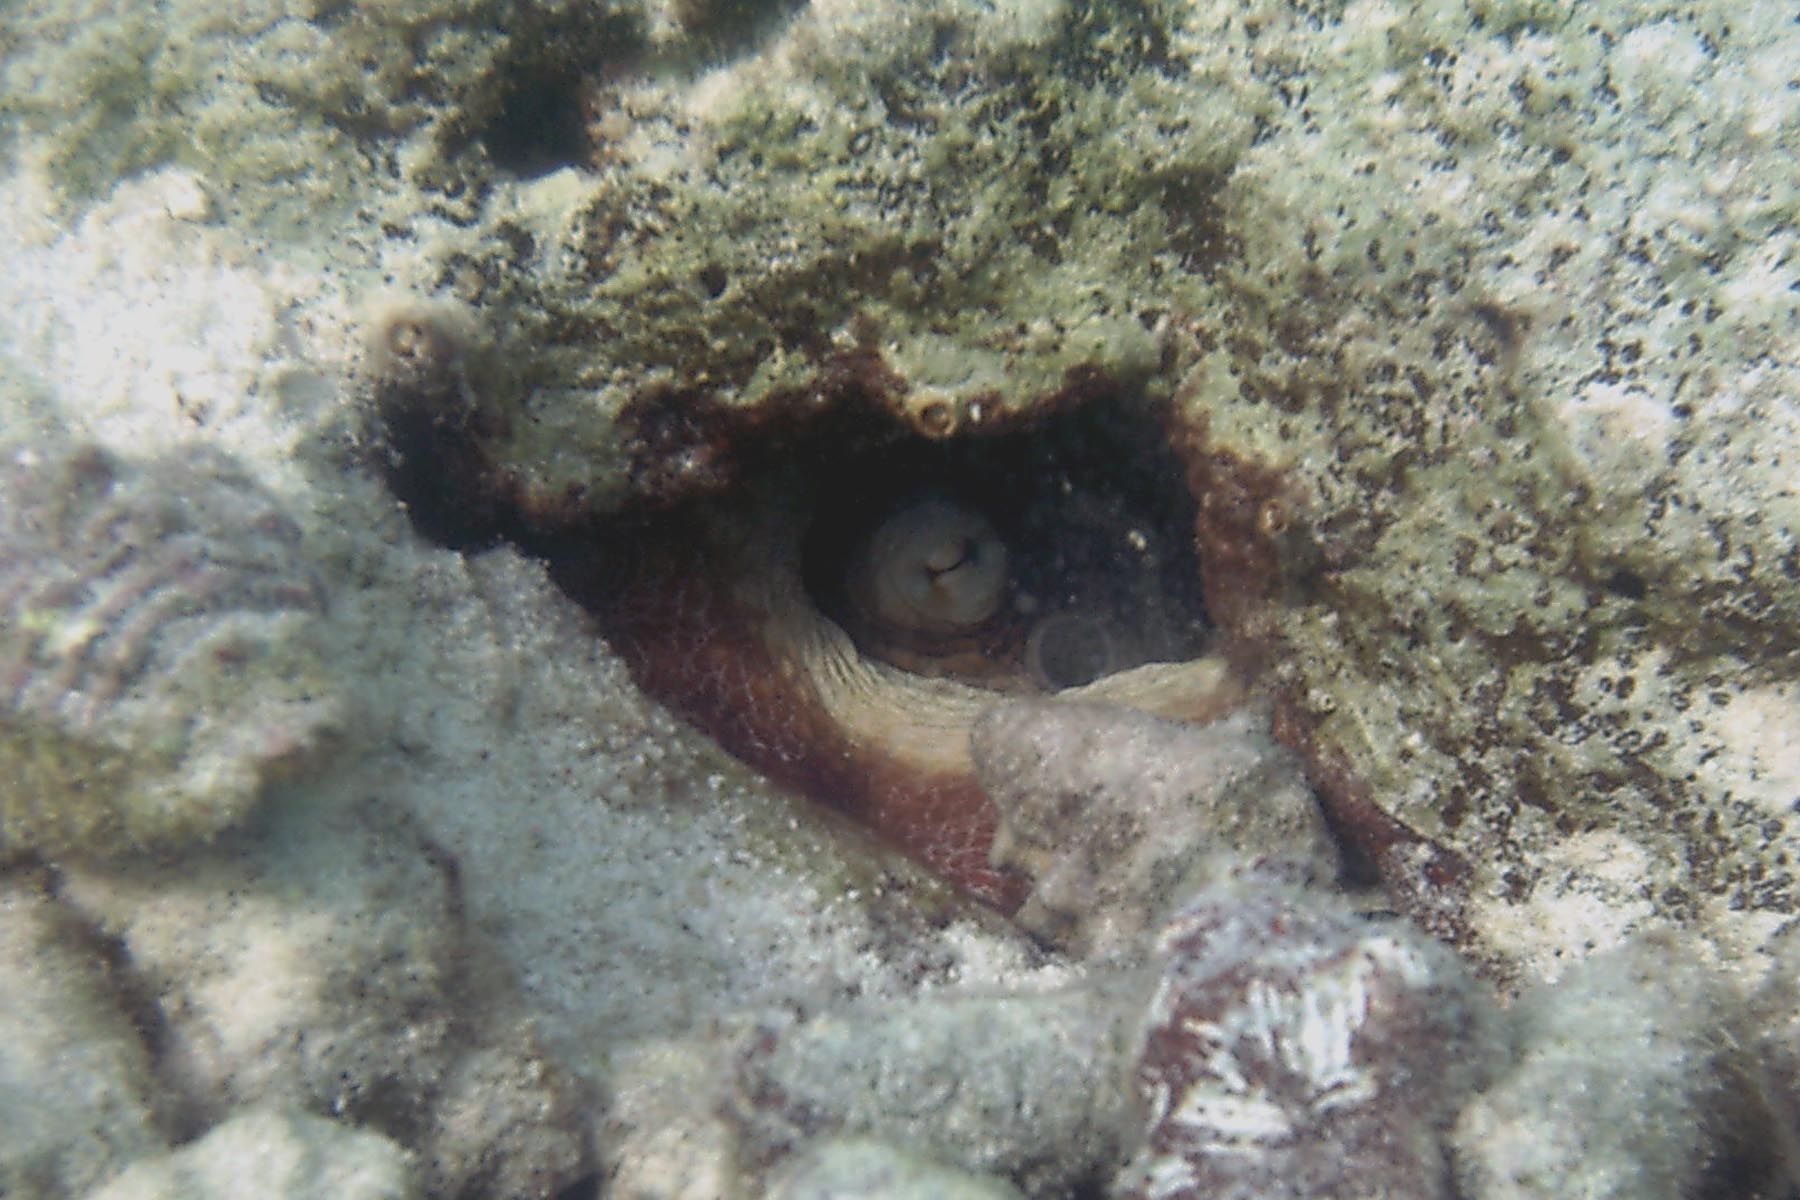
[[688, 644]]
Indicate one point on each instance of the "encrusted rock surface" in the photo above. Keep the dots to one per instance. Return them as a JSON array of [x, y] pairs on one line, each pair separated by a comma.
[[1022, 1106], [1530, 378], [327, 971], [957, 206], [309, 90], [1487, 456], [1639, 1073], [862, 1169]]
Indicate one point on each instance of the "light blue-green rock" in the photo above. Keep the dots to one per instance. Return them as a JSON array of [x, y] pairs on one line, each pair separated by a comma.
[[273, 1155], [1637, 1073], [77, 1096]]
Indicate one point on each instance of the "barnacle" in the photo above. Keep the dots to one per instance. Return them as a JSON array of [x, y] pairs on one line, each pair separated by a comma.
[[931, 413], [1293, 1047]]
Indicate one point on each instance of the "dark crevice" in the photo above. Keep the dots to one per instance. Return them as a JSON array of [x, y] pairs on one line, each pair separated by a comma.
[[1090, 505], [541, 125], [1090, 502], [724, 575]]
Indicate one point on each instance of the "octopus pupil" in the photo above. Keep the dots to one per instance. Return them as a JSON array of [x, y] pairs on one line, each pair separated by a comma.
[[966, 555]]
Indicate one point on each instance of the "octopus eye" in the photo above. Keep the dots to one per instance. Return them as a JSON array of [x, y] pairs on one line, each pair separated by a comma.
[[934, 568]]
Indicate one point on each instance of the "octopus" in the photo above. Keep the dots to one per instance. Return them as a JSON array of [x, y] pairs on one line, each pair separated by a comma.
[[842, 627], [837, 594], [836, 585]]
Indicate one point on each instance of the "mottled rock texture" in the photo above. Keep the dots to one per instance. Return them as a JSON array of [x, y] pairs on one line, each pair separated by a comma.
[[321, 965], [1476, 318], [861, 1169], [312, 94], [1478, 330], [955, 209], [77, 1097], [1496, 294], [996, 1085], [1512, 305], [1773, 1043], [1118, 817], [1640, 1073]]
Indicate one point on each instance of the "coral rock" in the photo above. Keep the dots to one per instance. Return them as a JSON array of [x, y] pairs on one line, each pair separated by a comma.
[[508, 1122], [155, 663], [666, 1136], [320, 965], [75, 1080], [999, 1085], [860, 1169], [1295, 1049], [1117, 816]]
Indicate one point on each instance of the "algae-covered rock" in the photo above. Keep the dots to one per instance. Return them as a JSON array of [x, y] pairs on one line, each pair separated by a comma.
[[1476, 372], [155, 626], [1476, 316], [955, 209], [310, 91], [1510, 315]]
